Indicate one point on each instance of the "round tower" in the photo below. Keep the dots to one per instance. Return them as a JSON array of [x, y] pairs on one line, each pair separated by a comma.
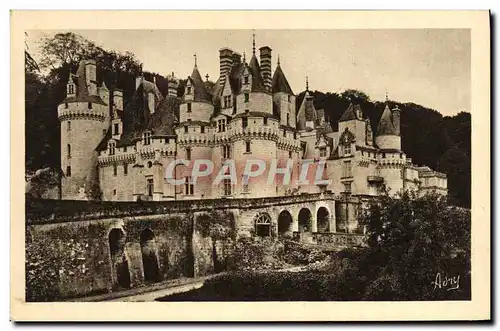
[[84, 118], [388, 131]]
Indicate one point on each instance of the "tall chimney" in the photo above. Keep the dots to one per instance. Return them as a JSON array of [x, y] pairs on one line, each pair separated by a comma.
[[226, 61], [236, 58], [173, 84], [265, 65]]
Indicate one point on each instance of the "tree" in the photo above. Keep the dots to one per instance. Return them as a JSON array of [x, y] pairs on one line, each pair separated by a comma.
[[355, 96], [412, 240]]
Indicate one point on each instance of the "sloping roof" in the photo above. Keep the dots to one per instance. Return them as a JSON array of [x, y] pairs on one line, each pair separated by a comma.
[[280, 83], [349, 114], [386, 125], [307, 112], [163, 121], [200, 91], [257, 81], [81, 90]]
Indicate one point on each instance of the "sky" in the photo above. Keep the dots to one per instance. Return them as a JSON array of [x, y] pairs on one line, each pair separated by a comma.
[[427, 67]]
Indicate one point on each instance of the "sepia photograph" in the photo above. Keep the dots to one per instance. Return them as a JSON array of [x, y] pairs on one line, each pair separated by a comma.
[[250, 165]]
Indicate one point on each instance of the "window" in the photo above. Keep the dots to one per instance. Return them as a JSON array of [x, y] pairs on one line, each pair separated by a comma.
[[125, 149], [150, 164], [383, 155], [247, 147], [150, 186], [284, 133], [66, 105], [116, 128], [71, 89], [322, 152], [347, 149], [202, 129], [289, 98], [68, 148], [234, 108], [295, 135], [125, 169], [68, 171], [347, 169], [115, 170], [188, 153], [112, 148], [189, 90], [247, 97], [288, 119], [69, 126], [265, 120], [221, 125], [246, 79], [244, 122], [188, 186], [226, 151], [229, 101], [290, 154], [114, 192], [89, 105], [347, 187], [227, 186], [186, 130], [263, 225], [147, 138], [189, 107]]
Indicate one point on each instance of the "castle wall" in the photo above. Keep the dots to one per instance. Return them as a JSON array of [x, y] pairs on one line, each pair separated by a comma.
[[388, 142], [200, 111], [257, 102]]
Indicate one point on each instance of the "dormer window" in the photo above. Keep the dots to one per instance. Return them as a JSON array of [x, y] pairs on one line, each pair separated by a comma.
[[227, 101], [221, 125], [189, 107], [112, 147], [71, 89], [322, 152], [247, 97], [147, 138], [189, 90], [246, 79], [289, 98], [116, 129], [186, 130]]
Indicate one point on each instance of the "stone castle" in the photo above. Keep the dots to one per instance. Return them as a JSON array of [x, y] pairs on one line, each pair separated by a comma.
[[122, 151]]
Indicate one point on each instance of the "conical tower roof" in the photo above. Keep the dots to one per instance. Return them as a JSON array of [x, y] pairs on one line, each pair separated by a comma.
[[386, 125], [280, 83], [257, 81], [200, 91]]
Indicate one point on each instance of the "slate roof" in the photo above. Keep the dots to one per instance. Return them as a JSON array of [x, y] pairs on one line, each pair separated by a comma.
[[257, 81], [81, 90], [137, 117], [280, 83], [386, 124], [200, 91]]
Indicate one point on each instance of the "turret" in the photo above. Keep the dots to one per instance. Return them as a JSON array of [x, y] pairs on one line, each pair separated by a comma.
[[283, 97], [84, 116], [388, 131], [197, 102], [307, 116]]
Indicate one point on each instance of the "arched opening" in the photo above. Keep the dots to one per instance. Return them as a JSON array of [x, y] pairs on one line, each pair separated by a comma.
[[119, 263], [285, 222], [149, 259], [323, 219], [263, 225], [305, 225]]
